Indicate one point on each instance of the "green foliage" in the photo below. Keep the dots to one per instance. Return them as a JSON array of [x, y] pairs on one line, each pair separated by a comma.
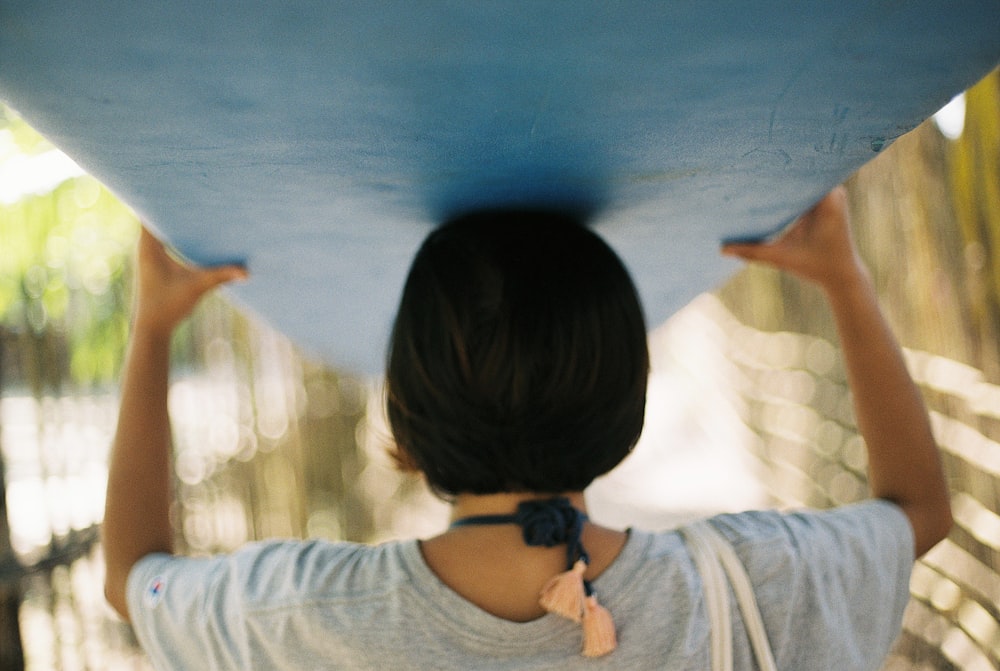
[[64, 265], [19, 137]]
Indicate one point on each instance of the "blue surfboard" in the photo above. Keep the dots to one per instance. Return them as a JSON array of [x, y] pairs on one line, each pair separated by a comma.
[[320, 141]]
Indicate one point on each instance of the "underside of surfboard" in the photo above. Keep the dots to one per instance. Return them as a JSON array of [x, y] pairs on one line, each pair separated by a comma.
[[320, 141]]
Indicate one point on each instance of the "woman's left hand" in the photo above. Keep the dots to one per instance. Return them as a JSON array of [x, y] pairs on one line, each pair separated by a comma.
[[168, 290]]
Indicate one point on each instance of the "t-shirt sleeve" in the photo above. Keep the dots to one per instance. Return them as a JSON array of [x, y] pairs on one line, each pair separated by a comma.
[[185, 612], [832, 584]]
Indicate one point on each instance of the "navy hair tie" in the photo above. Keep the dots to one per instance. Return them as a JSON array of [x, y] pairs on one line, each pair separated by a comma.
[[551, 522]]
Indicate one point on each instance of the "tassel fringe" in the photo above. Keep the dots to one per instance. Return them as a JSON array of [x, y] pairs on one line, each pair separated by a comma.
[[599, 636], [564, 594], [555, 522]]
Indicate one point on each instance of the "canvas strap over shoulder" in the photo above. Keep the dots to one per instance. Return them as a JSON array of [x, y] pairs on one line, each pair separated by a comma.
[[715, 559]]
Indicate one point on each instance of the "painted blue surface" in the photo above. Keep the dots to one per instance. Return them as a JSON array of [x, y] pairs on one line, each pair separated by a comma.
[[321, 140]]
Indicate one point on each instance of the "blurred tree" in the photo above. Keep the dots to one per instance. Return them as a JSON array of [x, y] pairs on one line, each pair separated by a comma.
[[64, 256], [974, 162], [11, 651], [926, 216]]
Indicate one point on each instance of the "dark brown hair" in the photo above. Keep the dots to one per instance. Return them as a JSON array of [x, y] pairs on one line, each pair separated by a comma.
[[518, 360]]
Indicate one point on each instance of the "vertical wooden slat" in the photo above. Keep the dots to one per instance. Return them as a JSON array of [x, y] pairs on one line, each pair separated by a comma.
[[11, 651]]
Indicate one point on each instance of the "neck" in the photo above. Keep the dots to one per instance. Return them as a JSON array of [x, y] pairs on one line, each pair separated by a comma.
[[469, 505]]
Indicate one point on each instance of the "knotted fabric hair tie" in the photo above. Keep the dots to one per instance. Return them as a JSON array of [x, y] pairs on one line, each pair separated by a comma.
[[552, 522]]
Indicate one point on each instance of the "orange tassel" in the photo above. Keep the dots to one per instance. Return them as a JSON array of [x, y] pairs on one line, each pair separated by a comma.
[[564, 595], [598, 629]]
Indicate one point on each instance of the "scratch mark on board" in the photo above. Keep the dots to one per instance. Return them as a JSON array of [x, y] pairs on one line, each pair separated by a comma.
[[542, 107], [781, 96]]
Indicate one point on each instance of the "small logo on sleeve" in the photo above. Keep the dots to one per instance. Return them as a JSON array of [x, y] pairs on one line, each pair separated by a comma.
[[154, 592]]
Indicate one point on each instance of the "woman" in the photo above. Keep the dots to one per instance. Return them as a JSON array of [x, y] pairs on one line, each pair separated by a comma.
[[516, 375]]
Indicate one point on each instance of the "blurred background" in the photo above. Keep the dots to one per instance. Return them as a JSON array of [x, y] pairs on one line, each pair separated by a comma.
[[747, 408]]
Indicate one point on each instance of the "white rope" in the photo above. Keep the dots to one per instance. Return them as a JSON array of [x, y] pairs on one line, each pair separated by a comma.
[[716, 596], [708, 548]]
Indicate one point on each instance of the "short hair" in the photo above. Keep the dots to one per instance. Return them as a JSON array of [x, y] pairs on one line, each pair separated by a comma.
[[518, 360]]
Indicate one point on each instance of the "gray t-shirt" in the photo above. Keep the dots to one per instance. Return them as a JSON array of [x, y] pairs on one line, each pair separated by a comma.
[[831, 586]]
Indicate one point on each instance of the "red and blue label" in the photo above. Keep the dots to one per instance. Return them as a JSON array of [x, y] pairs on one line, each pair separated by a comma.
[[154, 592]]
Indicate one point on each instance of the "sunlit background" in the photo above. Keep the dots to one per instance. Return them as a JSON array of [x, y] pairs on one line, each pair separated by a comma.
[[748, 405]]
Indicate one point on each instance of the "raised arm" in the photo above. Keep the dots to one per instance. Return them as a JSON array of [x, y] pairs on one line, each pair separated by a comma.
[[137, 511], [903, 461]]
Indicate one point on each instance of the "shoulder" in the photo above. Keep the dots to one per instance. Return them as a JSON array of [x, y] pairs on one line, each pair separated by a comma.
[[823, 556], [300, 569], [831, 582], [872, 528], [830, 585], [222, 611], [272, 572]]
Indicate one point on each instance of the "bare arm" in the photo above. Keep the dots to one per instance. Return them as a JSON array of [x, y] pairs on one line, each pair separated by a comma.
[[136, 518], [904, 465]]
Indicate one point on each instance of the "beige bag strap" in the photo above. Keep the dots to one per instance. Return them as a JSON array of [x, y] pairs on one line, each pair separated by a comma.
[[715, 558]]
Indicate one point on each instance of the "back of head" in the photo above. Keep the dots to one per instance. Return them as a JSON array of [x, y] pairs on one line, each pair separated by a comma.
[[518, 359]]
